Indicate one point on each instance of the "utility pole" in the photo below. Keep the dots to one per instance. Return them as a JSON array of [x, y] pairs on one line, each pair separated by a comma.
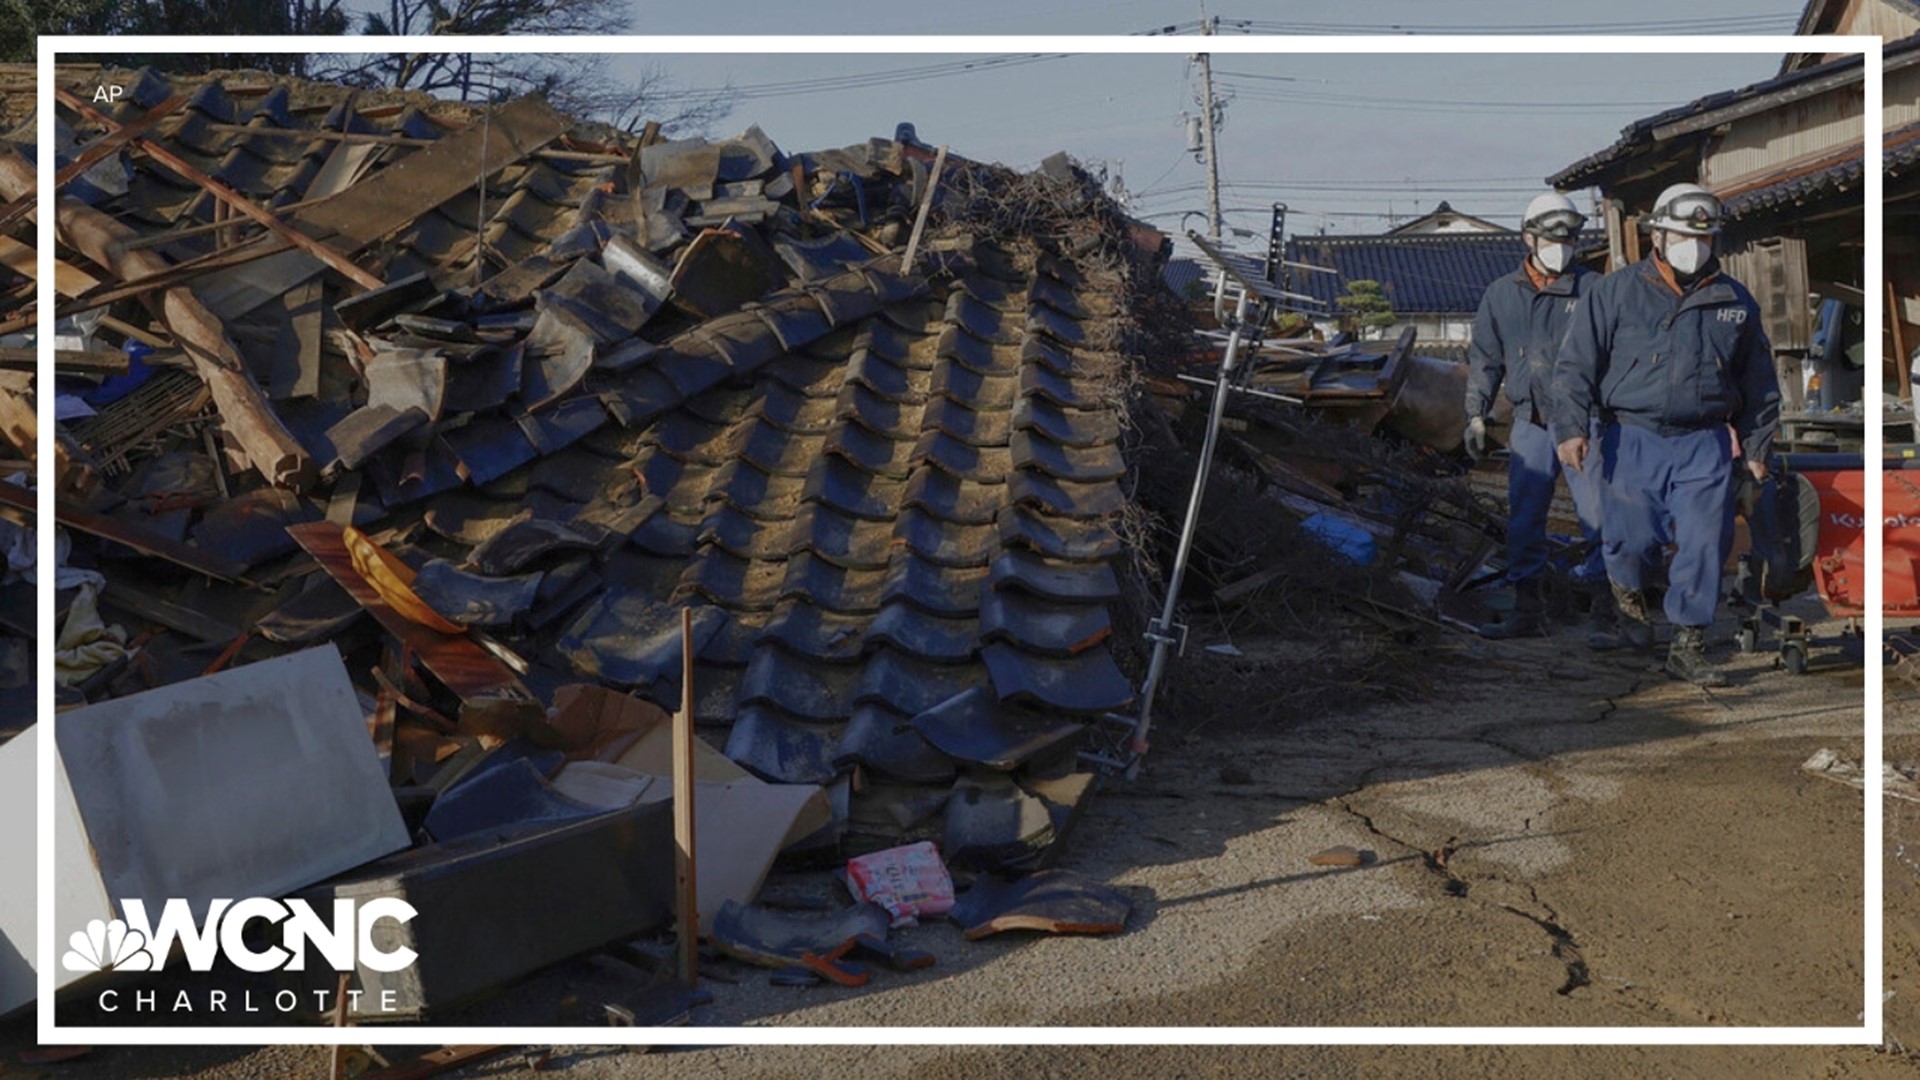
[[1207, 143]]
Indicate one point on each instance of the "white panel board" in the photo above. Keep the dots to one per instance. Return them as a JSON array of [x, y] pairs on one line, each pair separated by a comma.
[[79, 895], [253, 782]]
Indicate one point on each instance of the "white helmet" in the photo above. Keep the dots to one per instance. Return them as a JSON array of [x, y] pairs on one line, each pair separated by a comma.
[[1686, 208], [1552, 215]]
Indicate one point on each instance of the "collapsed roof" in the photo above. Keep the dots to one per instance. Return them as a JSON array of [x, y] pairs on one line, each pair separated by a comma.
[[620, 377]]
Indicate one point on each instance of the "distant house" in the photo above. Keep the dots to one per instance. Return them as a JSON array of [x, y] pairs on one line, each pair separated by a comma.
[[1432, 269], [1445, 220]]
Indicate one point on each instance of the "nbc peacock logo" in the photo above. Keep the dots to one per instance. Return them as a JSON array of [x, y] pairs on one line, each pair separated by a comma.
[[107, 945]]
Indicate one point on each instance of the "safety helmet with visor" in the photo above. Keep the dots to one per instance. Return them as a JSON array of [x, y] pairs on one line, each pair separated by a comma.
[[1686, 208], [1552, 216]]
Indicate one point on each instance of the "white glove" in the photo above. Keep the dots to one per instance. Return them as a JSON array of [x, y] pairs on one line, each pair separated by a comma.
[[1477, 438]]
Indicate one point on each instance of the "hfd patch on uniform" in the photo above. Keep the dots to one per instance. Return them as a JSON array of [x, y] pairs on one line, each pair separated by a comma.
[[1733, 315]]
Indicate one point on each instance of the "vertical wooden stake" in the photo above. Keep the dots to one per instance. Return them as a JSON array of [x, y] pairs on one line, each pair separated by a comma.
[[1902, 368], [926, 205], [683, 863], [337, 1064]]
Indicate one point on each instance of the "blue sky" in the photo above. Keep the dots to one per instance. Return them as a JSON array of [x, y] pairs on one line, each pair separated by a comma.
[[1351, 143], [1412, 145], [1345, 141]]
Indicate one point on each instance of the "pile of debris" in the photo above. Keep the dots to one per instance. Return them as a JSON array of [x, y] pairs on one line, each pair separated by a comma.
[[460, 409], [397, 440]]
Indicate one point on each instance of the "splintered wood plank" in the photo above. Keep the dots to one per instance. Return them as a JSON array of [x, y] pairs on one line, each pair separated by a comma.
[[455, 659]]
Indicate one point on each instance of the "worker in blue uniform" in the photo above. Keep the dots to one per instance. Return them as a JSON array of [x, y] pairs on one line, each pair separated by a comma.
[[1521, 320], [1669, 355]]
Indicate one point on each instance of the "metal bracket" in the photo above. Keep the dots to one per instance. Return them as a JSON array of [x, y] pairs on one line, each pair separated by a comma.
[[1174, 634]]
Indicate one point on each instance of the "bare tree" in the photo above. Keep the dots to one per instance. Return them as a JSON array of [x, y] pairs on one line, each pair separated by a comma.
[[21, 20], [582, 84]]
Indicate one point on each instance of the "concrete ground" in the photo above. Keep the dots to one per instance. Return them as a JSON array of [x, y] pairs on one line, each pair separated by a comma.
[[1561, 838]]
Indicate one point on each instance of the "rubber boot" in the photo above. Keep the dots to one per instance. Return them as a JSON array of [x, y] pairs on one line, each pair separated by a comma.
[[1603, 626], [1635, 629], [1526, 618], [1687, 658]]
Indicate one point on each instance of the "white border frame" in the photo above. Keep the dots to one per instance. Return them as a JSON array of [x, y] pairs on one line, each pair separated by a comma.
[[1872, 1017]]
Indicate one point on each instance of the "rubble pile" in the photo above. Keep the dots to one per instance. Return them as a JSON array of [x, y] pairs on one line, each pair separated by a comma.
[[511, 435], [479, 401]]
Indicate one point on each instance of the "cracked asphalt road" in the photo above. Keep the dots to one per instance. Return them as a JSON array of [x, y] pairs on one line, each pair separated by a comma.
[[1559, 838]]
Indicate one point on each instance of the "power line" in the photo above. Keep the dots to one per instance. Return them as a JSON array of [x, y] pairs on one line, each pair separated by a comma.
[[1331, 95], [1431, 105], [1695, 25], [1357, 188], [866, 80]]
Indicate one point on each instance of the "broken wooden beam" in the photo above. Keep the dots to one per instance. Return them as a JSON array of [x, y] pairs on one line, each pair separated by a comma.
[[67, 361], [18, 425], [116, 137], [243, 407], [176, 164], [177, 274]]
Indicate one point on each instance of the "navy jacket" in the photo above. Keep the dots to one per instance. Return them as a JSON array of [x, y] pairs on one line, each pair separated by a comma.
[[1515, 335], [1639, 353]]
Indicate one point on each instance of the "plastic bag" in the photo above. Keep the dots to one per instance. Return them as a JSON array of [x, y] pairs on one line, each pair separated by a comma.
[[909, 882]]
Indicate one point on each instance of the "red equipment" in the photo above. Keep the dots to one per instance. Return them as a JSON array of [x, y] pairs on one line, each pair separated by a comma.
[[1808, 523]]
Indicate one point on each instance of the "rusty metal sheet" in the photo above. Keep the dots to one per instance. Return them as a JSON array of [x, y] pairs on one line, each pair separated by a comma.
[[456, 660]]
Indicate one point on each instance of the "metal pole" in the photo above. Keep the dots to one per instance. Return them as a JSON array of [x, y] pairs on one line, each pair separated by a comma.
[[1162, 632], [1207, 143]]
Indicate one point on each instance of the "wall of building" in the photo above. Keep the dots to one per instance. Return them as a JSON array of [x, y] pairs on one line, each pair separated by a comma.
[[1795, 132]]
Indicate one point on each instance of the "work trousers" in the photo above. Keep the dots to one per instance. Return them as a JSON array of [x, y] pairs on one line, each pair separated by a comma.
[[1532, 467], [1669, 487]]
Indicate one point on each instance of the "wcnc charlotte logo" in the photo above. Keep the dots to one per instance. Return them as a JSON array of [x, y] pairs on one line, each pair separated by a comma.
[[344, 943]]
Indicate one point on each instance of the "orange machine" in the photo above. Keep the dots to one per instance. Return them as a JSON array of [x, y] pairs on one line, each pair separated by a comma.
[[1808, 524], [1901, 571]]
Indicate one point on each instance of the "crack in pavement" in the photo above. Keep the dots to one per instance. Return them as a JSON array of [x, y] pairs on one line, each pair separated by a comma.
[[1565, 948]]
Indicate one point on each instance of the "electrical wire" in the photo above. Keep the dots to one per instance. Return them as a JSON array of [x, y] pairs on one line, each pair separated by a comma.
[[868, 79], [1756, 23]]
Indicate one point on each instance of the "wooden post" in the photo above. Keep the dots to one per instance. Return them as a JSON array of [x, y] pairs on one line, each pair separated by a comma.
[[337, 1064], [683, 862], [926, 205], [1901, 368]]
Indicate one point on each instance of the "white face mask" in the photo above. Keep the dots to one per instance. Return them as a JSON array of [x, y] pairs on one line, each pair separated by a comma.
[[1555, 258], [1688, 254]]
